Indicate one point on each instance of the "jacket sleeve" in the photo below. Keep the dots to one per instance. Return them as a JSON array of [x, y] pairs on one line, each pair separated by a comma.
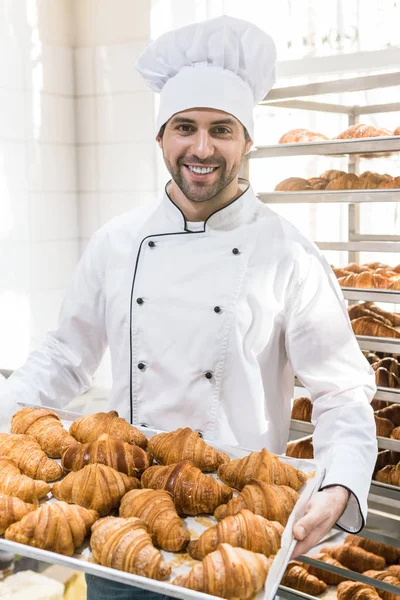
[[326, 358], [62, 367]]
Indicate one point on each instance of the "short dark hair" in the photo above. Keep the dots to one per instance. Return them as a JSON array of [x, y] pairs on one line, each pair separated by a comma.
[[246, 133]]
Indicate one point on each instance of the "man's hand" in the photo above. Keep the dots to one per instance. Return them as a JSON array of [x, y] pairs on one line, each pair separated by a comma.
[[322, 512]]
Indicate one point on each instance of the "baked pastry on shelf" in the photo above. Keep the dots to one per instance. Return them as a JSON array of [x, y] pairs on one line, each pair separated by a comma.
[[397, 130], [326, 576], [293, 184], [389, 553], [318, 183], [395, 435], [298, 578], [301, 448], [359, 130], [391, 412], [354, 590], [12, 510], [350, 181], [332, 174], [355, 558], [387, 577], [302, 409], [390, 475], [29, 457], [384, 427], [14, 483], [89, 428], [301, 135], [373, 327]]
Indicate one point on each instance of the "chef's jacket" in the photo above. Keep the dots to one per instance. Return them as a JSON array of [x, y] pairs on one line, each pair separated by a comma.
[[206, 325]]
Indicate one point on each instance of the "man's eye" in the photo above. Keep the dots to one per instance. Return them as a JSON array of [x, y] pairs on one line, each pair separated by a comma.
[[184, 128], [221, 130]]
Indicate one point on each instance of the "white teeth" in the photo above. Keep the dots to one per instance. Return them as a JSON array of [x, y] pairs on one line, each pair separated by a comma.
[[201, 170]]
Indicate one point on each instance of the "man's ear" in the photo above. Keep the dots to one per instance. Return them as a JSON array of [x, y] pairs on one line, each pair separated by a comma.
[[159, 141], [248, 146]]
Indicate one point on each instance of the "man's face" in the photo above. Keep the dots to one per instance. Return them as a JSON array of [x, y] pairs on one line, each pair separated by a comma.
[[203, 138]]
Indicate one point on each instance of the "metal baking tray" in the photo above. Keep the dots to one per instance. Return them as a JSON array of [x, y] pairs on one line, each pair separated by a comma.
[[182, 563]]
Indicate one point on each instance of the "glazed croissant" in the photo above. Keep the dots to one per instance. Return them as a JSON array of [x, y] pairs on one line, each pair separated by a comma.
[[29, 457], [273, 502], [298, 578], [392, 412], [12, 510], [185, 444], [13, 483], [387, 577], [354, 558], [262, 466], [371, 326], [90, 428], [302, 409], [384, 427], [243, 530], [327, 576], [57, 526], [121, 456], [45, 426], [96, 487], [353, 590], [389, 553], [124, 544], [156, 508], [228, 572], [193, 492], [301, 449], [389, 475]]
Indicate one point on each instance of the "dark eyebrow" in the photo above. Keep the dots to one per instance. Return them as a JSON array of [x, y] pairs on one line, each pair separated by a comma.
[[227, 121]]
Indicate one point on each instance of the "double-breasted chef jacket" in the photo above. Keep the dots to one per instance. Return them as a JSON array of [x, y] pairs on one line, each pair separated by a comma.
[[206, 324]]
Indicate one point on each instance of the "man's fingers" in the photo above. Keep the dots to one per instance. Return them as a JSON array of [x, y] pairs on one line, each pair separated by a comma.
[[310, 522], [305, 545]]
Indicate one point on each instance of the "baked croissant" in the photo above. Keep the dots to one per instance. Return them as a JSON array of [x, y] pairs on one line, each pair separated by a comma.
[[386, 457], [397, 131], [124, 544], [193, 492], [389, 553], [228, 572], [387, 578], [389, 475], [90, 428], [366, 268], [156, 508], [97, 487], [394, 570], [302, 409], [293, 184], [354, 558], [388, 363], [45, 426], [375, 177], [185, 444], [392, 413], [245, 530], [384, 378], [359, 310], [365, 280], [332, 174], [353, 590], [384, 427], [13, 483], [395, 435], [350, 181], [327, 576], [301, 449], [12, 510], [56, 526], [298, 578], [371, 326], [273, 502], [318, 183], [391, 316], [360, 130], [121, 456], [390, 184], [29, 457], [263, 466]]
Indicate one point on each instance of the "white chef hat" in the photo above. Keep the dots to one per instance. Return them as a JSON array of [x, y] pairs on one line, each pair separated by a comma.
[[222, 63]]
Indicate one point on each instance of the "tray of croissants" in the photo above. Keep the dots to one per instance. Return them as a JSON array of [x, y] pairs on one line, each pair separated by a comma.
[[165, 511]]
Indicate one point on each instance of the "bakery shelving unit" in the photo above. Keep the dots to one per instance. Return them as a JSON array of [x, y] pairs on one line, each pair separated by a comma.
[[383, 523]]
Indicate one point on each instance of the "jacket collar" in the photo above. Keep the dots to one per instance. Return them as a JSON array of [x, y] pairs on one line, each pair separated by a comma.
[[239, 211]]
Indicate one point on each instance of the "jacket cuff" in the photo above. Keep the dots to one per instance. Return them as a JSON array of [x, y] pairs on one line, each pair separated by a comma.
[[352, 519]]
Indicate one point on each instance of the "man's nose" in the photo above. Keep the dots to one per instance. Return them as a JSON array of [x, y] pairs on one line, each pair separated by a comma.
[[203, 144]]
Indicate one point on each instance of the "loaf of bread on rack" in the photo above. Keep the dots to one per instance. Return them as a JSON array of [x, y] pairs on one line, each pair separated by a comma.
[[12, 510], [126, 545], [354, 590], [395, 435], [14, 483], [389, 553], [364, 280], [185, 444], [45, 426], [363, 131], [391, 412], [301, 448], [273, 502], [56, 526], [29, 457], [384, 427], [301, 135], [385, 378], [326, 576], [97, 487], [228, 572], [387, 577], [156, 508], [243, 530], [298, 578], [355, 558], [318, 183], [389, 475], [193, 492], [90, 428], [293, 184], [302, 409], [263, 466], [121, 456], [373, 327]]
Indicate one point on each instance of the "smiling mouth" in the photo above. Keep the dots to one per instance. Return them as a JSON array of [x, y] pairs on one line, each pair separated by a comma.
[[200, 172]]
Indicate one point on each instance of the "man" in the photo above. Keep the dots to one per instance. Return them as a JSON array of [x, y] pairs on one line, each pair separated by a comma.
[[208, 300]]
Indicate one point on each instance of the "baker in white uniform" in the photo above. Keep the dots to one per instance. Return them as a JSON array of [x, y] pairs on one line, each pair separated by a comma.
[[208, 300]]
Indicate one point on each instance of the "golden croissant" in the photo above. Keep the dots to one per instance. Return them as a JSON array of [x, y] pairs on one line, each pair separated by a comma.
[[262, 466], [391, 412], [327, 576], [121, 456], [298, 578], [185, 444], [193, 492], [95, 486], [394, 570], [387, 577], [354, 558], [12, 510], [244, 530], [45, 426], [124, 544], [389, 474], [156, 508], [301, 448], [389, 553], [89, 428], [384, 427], [353, 590], [273, 502], [372, 326], [302, 409], [13, 483], [29, 457], [56, 526], [228, 572]]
